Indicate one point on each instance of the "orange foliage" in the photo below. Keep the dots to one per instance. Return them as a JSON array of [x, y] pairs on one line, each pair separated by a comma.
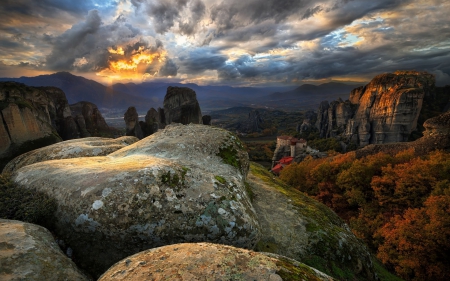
[[417, 244], [398, 204]]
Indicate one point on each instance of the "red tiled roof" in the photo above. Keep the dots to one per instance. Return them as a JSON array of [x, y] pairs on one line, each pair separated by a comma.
[[286, 160], [284, 137], [277, 169]]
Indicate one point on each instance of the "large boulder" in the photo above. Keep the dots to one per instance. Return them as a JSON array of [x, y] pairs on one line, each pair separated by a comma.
[[298, 227], [76, 148], [181, 106], [204, 261], [182, 184], [29, 252]]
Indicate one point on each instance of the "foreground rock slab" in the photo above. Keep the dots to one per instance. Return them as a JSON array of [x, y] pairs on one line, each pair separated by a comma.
[[204, 261], [86, 147], [303, 229], [182, 184], [29, 252]]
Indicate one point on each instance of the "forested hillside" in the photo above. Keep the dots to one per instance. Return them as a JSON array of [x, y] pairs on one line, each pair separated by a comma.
[[399, 205]]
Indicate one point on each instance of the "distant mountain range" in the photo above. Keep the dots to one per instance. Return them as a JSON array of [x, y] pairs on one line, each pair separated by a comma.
[[151, 94]]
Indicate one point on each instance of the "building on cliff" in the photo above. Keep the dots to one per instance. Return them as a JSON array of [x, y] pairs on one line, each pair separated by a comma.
[[287, 147]]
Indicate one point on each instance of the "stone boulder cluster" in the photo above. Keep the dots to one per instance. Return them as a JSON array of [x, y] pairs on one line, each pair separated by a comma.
[[384, 111], [33, 117], [180, 106], [128, 209]]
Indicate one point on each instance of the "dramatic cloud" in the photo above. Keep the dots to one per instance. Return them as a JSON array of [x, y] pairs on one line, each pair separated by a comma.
[[117, 49], [228, 41]]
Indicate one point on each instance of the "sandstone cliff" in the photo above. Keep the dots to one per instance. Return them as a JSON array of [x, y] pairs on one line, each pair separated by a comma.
[[436, 136], [384, 111], [89, 120], [33, 117], [181, 106], [29, 118]]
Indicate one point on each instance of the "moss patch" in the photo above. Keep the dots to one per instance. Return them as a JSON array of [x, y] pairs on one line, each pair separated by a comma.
[[174, 180], [330, 241], [26, 205], [249, 191], [229, 155], [220, 179], [292, 272], [383, 273]]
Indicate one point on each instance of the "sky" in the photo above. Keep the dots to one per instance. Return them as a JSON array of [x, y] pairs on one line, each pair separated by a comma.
[[229, 42]]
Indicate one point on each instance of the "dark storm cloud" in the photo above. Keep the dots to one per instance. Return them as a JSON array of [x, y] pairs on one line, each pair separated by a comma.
[[202, 59], [166, 13], [74, 43], [168, 69]]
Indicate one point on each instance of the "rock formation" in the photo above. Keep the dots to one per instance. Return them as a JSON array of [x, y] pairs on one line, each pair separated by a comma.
[[33, 117], [182, 184], [436, 136], [89, 120], [133, 127], [86, 147], [204, 261], [206, 120], [384, 111], [252, 124], [29, 118], [298, 227], [29, 252], [181, 106]]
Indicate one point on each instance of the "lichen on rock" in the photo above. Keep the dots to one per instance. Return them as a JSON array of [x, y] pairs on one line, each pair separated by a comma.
[[303, 229], [205, 261], [29, 252], [158, 191]]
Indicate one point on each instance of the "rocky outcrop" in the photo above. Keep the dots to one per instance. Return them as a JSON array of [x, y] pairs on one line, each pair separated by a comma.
[[252, 124], [435, 137], [439, 125], [206, 120], [182, 184], [204, 261], [322, 119], [356, 94], [133, 127], [33, 117], [181, 106], [29, 252], [30, 118], [384, 111], [86, 147], [298, 227], [89, 120]]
